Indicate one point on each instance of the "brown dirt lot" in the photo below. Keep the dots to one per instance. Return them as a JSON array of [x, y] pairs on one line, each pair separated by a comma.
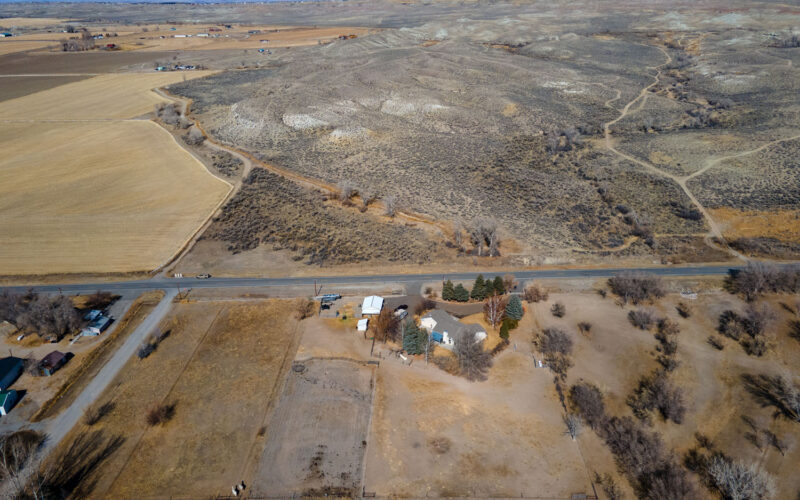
[[317, 441], [615, 355], [218, 367], [18, 86]]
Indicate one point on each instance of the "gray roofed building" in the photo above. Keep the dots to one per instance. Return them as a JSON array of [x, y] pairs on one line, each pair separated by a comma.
[[444, 328]]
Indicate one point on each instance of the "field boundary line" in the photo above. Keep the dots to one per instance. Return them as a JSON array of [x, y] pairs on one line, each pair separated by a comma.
[[272, 403], [172, 387]]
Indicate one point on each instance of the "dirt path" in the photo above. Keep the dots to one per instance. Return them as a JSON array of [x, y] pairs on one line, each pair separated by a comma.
[[714, 229]]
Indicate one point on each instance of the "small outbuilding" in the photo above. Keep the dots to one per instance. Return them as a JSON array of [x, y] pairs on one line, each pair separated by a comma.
[[372, 305], [363, 324], [52, 362], [10, 370], [7, 401], [96, 327]]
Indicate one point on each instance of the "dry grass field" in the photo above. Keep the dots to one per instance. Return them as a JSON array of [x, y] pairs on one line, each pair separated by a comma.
[[217, 366], [98, 196], [114, 96]]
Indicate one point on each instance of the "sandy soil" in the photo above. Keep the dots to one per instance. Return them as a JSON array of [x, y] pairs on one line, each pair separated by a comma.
[[82, 198]]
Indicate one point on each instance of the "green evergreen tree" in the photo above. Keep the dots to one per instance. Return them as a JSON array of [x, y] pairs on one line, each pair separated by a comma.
[[498, 285], [514, 308], [414, 338], [461, 293], [478, 289], [448, 291], [504, 331]]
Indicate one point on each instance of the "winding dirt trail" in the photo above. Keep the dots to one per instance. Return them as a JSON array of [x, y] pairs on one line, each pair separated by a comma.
[[714, 229]]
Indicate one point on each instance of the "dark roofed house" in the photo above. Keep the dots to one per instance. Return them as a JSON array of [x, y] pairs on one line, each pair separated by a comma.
[[52, 362], [10, 370], [444, 328], [7, 401]]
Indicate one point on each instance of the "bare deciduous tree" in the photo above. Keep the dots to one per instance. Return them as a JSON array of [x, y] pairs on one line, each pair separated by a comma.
[[390, 205], [738, 481], [636, 288], [587, 401], [473, 361], [535, 293], [483, 233], [494, 309]]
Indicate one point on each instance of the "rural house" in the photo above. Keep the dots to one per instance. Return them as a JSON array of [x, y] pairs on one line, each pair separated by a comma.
[[7, 401], [444, 328], [98, 325], [372, 305], [52, 362], [10, 370]]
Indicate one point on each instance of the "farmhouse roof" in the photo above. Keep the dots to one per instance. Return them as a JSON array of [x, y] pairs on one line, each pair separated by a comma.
[[372, 305], [454, 328], [9, 364], [53, 359]]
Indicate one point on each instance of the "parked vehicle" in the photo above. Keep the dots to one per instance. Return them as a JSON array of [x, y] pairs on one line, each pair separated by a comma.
[[203, 276]]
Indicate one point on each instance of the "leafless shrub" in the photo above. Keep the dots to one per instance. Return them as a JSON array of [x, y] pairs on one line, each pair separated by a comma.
[[167, 113], [757, 278], [304, 308], [684, 310], [554, 341], [390, 205], [738, 481], [584, 327], [657, 392], [715, 343], [159, 414], [346, 191], [99, 300], [558, 310], [730, 325], [636, 288], [535, 293], [386, 326], [483, 233], [642, 318], [573, 425], [587, 400], [794, 329], [610, 487], [757, 318], [776, 391], [48, 316], [424, 305], [95, 413], [473, 361], [194, 137], [509, 282]]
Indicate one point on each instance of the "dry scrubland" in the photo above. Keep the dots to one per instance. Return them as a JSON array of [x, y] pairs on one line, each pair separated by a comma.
[[218, 367], [102, 195], [615, 355], [97, 197], [455, 118]]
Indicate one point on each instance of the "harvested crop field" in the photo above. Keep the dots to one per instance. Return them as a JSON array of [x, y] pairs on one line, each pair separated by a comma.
[[217, 367], [12, 87], [316, 444], [98, 197], [112, 96]]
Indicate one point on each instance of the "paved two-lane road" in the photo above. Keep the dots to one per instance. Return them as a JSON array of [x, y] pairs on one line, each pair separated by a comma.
[[174, 283]]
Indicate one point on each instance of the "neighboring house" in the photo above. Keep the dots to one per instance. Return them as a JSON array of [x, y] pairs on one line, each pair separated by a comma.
[[444, 328], [7, 401], [363, 324], [372, 305], [5, 35], [52, 362], [10, 370], [97, 326]]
